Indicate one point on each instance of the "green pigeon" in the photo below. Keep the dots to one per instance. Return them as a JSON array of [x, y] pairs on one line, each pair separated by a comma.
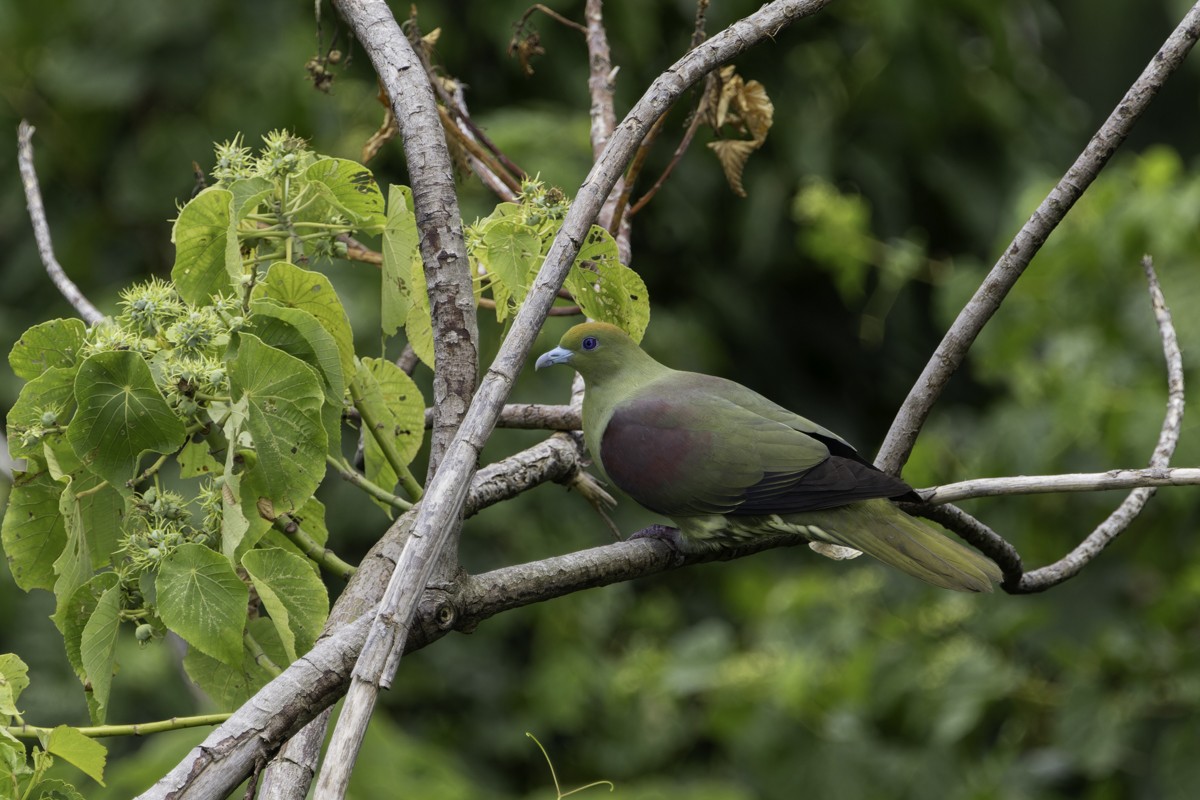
[[725, 464]]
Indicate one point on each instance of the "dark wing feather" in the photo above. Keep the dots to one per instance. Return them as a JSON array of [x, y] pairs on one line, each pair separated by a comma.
[[692, 444]]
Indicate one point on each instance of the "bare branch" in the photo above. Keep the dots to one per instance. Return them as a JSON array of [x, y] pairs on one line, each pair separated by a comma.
[[41, 228], [949, 355], [447, 275], [1071, 482], [1043, 578], [532, 416]]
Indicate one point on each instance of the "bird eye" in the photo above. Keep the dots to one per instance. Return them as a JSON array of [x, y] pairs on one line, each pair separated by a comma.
[[590, 343]]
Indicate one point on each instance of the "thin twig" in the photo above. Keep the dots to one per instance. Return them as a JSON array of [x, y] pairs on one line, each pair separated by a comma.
[[1054, 484], [949, 355], [41, 228], [677, 156], [1039, 580]]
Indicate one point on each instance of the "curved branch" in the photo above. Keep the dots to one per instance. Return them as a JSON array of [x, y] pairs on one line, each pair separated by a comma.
[[1043, 578], [41, 228], [949, 355]]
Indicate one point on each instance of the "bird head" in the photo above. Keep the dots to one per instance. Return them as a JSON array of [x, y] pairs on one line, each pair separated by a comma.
[[596, 350]]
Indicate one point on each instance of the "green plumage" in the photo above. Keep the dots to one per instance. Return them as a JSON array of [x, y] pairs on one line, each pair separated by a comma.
[[726, 464]]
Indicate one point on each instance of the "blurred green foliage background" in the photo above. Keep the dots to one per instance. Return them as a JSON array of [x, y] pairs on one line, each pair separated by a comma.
[[911, 139]]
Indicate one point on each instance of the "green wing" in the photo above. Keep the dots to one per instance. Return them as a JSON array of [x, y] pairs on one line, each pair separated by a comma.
[[691, 444]]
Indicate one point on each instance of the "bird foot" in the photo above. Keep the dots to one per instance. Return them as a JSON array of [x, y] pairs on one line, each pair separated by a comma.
[[663, 533]]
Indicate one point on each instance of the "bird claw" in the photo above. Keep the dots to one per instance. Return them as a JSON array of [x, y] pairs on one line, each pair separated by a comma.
[[662, 533]]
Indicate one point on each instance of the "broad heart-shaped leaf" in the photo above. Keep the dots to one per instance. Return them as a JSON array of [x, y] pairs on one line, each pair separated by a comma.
[[511, 251], [33, 532], [202, 599], [86, 754], [294, 597], [352, 191], [294, 287], [208, 258], [121, 415], [51, 392], [400, 241], [283, 417], [47, 345], [606, 289], [231, 685], [298, 333], [398, 408], [14, 679], [97, 649]]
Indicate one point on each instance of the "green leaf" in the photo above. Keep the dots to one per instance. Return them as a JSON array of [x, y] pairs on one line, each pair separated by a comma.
[[202, 599], [13, 762], [74, 615], [228, 685], [97, 649], [352, 191], [397, 406], [14, 679], [51, 392], [400, 241], [248, 194], [293, 596], [511, 252], [33, 531], [196, 460], [418, 327], [298, 333], [121, 415], [606, 289], [294, 287], [86, 754], [51, 344], [54, 789], [283, 417], [208, 258]]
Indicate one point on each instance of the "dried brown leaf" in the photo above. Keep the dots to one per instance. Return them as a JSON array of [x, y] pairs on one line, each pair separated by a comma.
[[733, 153]]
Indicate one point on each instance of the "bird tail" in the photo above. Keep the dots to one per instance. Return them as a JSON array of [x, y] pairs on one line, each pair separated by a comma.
[[879, 529]]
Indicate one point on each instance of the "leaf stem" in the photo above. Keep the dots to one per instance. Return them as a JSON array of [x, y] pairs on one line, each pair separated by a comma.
[[135, 729], [358, 479], [386, 444], [323, 556], [260, 656]]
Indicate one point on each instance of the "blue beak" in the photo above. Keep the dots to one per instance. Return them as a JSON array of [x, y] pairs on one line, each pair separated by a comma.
[[559, 355]]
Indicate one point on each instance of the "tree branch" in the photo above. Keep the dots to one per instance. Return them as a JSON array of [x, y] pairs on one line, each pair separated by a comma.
[[452, 304], [949, 355], [438, 514], [1070, 482], [41, 228], [532, 416], [1067, 567]]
